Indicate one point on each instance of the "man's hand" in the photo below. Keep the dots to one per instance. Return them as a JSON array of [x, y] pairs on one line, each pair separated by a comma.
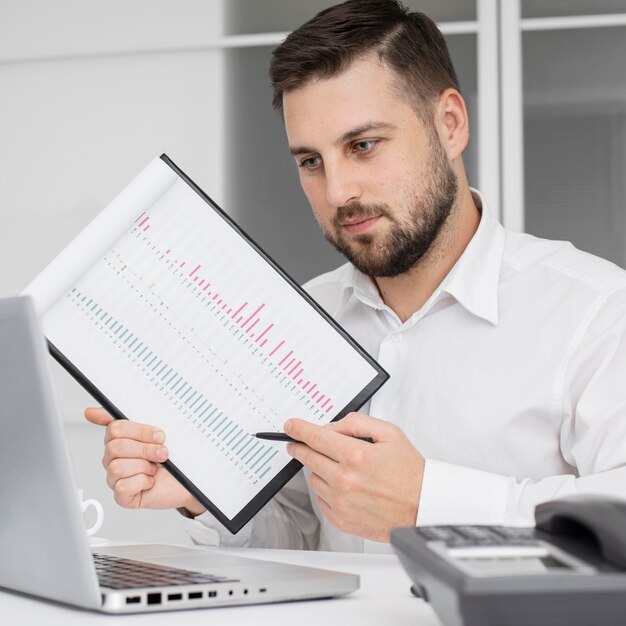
[[133, 454], [362, 488]]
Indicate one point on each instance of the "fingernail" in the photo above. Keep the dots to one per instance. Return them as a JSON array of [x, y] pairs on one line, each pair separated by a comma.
[[289, 447], [158, 436], [161, 454], [287, 426]]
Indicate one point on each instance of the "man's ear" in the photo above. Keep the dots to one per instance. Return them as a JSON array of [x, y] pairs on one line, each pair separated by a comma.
[[452, 122]]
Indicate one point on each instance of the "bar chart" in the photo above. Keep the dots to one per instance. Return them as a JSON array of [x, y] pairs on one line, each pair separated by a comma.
[[206, 416], [187, 326], [244, 317]]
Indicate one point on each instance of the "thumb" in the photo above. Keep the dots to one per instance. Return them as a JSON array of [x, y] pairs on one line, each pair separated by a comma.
[[361, 425], [97, 415]]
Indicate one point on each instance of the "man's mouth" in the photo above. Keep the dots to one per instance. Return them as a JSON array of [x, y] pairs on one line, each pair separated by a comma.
[[359, 225]]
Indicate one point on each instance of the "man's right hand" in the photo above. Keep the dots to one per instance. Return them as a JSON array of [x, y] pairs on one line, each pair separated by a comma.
[[133, 454]]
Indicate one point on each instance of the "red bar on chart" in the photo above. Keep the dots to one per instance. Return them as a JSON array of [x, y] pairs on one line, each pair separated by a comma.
[[313, 387], [264, 342], [263, 333], [276, 348], [183, 264], [308, 382], [252, 326], [313, 396], [144, 220], [329, 409], [146, 227], [195, 270], [320, 398], [299, 374], [217, 295], [239, 310], [142, 214], [295, 367], [258, 309], [325, 403], [290, 362], [285, 357], [200, 283], [206, 286]]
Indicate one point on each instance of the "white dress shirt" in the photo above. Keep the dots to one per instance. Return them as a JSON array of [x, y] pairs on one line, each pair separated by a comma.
[[510, 381]]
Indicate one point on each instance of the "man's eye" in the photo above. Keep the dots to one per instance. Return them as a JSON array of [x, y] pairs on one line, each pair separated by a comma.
[[364, 146], [311, 163]]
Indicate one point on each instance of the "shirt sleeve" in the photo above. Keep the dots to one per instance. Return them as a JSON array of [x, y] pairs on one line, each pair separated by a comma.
[[287, 521], [592, 438], [452, 494]]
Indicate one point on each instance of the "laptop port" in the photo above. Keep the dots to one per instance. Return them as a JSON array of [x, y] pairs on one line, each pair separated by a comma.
[[154, 598], [195, 595], [212, 594], [174, 596], [133, 599], [262, 590]]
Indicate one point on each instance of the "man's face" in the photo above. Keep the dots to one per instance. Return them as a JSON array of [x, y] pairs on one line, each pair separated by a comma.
[[378, 180]]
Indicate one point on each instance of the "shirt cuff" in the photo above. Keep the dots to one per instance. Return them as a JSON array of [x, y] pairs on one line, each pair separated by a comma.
[[452, 494]]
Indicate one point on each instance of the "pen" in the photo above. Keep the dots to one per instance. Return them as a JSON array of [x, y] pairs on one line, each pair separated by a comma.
[[286, 437]]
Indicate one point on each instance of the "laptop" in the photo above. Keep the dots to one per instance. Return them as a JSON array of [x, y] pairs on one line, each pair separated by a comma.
[[44, 550]]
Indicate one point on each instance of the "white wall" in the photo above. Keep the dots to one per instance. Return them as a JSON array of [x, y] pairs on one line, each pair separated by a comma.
[[90, 92]]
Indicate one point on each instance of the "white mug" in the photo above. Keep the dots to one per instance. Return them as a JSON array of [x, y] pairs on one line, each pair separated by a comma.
[[84, 505]]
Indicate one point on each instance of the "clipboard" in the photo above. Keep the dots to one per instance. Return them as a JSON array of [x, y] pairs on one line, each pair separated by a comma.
[[164, 304]]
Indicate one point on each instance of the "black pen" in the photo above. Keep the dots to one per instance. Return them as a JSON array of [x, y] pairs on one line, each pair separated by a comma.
[[286, 437]]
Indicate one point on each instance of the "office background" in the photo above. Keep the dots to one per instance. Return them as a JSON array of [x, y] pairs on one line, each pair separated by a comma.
[[90, 91]]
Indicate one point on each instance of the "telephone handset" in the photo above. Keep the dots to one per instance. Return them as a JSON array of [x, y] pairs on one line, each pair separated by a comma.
[[588, 518]]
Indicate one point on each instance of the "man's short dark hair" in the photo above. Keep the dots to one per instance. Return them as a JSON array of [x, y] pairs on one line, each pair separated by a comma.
[[408, 43]]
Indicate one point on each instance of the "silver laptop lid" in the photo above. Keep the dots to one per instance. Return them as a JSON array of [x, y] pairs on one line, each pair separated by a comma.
[[44, 548]]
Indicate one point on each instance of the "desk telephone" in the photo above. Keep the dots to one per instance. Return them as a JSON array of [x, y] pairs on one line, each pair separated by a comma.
[[568, 569]]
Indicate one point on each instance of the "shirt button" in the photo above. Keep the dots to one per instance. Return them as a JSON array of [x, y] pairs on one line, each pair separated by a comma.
[[396, 338]]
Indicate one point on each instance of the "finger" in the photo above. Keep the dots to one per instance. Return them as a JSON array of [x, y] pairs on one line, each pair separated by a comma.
[[319, 486], [130, 449], [127, 491], [313, 460], [325, 508], [318, 438], [127, 429], [98, 415], [361, 425], [334, 517], [125, 468]]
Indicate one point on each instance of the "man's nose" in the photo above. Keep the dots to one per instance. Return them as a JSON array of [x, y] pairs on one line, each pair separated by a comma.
[[342, 183]]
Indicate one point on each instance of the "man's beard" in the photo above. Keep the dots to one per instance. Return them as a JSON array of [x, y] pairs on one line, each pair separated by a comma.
[[405, 244]]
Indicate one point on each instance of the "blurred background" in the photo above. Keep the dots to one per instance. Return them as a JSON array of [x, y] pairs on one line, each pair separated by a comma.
[[91, 91]]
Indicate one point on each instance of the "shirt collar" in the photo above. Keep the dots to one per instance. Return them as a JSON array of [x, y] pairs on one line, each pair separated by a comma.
[[473, 281], [475, 278]]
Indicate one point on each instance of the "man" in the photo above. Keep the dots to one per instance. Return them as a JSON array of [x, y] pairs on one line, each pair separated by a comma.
[[506, 352]]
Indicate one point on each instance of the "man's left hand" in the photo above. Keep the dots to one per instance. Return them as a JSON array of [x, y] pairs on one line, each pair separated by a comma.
[[362, 488]]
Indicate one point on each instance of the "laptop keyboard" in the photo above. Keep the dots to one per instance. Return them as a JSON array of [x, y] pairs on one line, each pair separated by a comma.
[[118, 573]]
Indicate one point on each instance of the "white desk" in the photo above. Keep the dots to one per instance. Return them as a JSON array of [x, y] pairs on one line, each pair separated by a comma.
[[383, 599]]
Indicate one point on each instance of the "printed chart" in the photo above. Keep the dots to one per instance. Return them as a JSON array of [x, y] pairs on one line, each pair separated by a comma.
[[183, 324]]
